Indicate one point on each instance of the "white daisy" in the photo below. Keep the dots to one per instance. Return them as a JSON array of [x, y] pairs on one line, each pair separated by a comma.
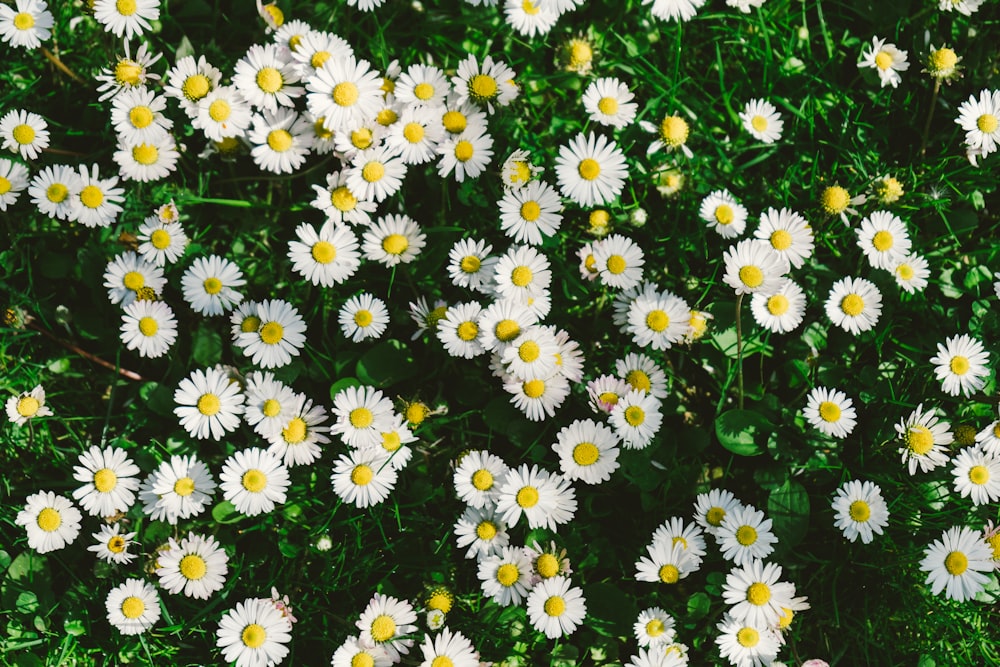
[[911, 273], [658, 320], [883, 238], [788, 233], [52, 522], [281, 140], [923, 437], [605, 391], [690, 538], [385, 622], [591, 170], [674, 10], [854, 304], [375, 174], [830, 411], [415, 135], [27, 24], [989, 439], [484, 85], [24, 132], [636, 419], [471, 265], [127, 275], [665, 563], [477, 477], [109, 482], [746, 645], [297, 441], [448, 648], [957, 564], [555, 607], [522, 273], [532, 355], [126, 18], [467, 154], [133, 607], [209, 285], [642, 373], [112, 546], [98, 202], [482, 531], [517, 170], [149, 327], [395, 440], [545, 499], [755, 593], [886, 59], [127, 72], [723, 213], [180, 488], [363, 476], [962, 365], [27, 405], [344, 91], [981, 121], [196, 566], [362, 317], [609, 102], [281, 335], [530, 214], [362, 414], [254, 481], [222, 113], [619, 261], [538, 399], [506, 576], [761, 119], [458, 330], [654, 627], [860, 510], [161, 242], [263, 77], [50, 187], [752, 266], [712, 507], [964, 7], [254, 634], [745, 534], [313, 48], [353, 653], [977, 474], [13, 181], [188, 81], [671, 134], [782, 311], [392, 240], [209, 404], [269, 403]]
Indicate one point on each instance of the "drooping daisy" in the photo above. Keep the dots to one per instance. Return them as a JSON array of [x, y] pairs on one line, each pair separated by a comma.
[[860, 510], [538, 399], [27, 24], [50, 188], [179, 489], [98, 202], [854, 304], [149, 327], [657, 319], [209, 285], [254, 634], [506, 576], [209, 404], [477, 478], [312, 48], [957, 563], [127, 72], [761, 119], [425, 317], [471, 265], [133, 607], [196, 566], [782, 311], [254, 481], [222, 114], [51, 521], [723, 213], [961, 364], [911, 273], [977, 474], [281, 140], [375, 174], [746, 645], [753, 266], [264, 77], [363, 316], [605, 391], [297, 441], [353, 653], [392, 240], [363, 476], [485, 85], [886, 59], [24, 132], [923, 438], [109, 482], [674, 10], [466, 154], [362, 414], [980, 118], [788, 233], [344, 91], [745, 534], [555, 607], [517, 170], [385, 622], [654, 627], [830, 411], [27, 405], [188, 81], [458, 330], [339, 204], [884, 239], [591, 170], [161, 242]]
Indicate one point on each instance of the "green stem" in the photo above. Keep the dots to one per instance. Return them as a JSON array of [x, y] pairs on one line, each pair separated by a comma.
[[930, 114], [739, 351]]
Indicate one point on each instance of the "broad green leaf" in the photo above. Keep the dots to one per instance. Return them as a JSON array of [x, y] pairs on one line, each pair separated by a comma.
[[342, 384], [698, 605], [788, 508], [386, 364], [207, 348], [743, 432], [158, 398], [225, 512]]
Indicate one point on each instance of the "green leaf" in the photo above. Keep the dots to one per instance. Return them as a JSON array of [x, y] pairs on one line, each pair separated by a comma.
[[788, 507], [27, 602], [225, 512], [606, 602], [158, 398], [386, 364], [28, 563], [207, 348], [926, 661], [342, 384], [698, 605], [59, 366], [74, 627], [743, 432]]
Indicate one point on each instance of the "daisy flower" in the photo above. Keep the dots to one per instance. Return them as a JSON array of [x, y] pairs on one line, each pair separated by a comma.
[[964, 7], [746, 645], [667, 655], [458, 330], [149, 327], [416, 134], [989, 439], [957, 563], [854, 304], [281, 335], [674, 10], [760, 118], [636, 419], [448, 648], [886, 59], [724, 214], [222, 113], [326, 258], [375, 174], [884, 240], [180, 488], [127, 72], [128, 275], [619, 261], [671, 134], [657, 320], [269, 403], [605, 391], [755, 594], [981, 121], [642, 373], [27, 405], [977, 474], [344, 91], [353, 652], [339, 204], [425, 317], [522, 272], [281, 140], [788, 233], [538, 399], [544, 499], [911, 273], [161, 242], [362, 414], [52, 522], [477, 476], [147, 161], [609, 102], [297, 441], [830, 411], [188, 81], [395, 440], [363, 316], [209, 404], [923, 438], [506, 576], [126, 18], [384, 623], [482, 531], [752, 266], [196, 566], [209, 285], [254, 481], [27, 24], [529, 17], [665, 563], [745, 534], [98, 202], [555, 607], [689, 537], [532, 355], [711, 508], [254, 634], [13, 180], [587, 450], [313, 48], [591, 170], [24, 132], [517, 170], [486, 84], [112, 546], [467, 154], [961, 364], [49, 190], [133, 607], [263, 77], [654, 627], [471, 265], [392, 240], [109, 482], [363, 476], [530, 214], [782, 311], [860, 510], [422, 85]]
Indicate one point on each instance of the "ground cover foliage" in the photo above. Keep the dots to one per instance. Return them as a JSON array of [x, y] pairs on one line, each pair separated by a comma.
[[745, 432]]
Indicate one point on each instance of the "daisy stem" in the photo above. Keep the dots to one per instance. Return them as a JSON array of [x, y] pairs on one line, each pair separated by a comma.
[[31, 434], [930, 114], [739, 352], [54, 59]]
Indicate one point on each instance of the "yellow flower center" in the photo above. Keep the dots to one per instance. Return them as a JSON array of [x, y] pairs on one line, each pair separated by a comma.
[[674, 131], [758, 594], [758, 123], [24, 134], [133, 280], [423, 91], [905, 272], [269, 80], [323, 252], [345, 94], [616, 264], [133, 607], [943, 60], [254, 480], [486, 531], [373, 172], [49, 519], [184, 486], [193, 567], [589, 169], [781, 239], [482, 87], [413, 132], [852, 305], [295, 432], [747, 637], [979, 474], [363, 318], [250, 324], [56, 193], [639, 380], [533, 388], [253, 635], [547, 566], [279, 140], [361, 417], [196, 87], [417, 412], [272, 333], [883, 60], [362, 138], [91, 196], [657, 320], [654, 628], [395, 244], [555, 606], [859, 511], [724, 214], [528, 351], [219, 110], [882, 241], [24, 21], [835, 199], [362, 475], [27, 406], [786, 617], [521, 276], [440, 600], [391, 441], [580, 53], [585, 454], [715, 515], [148, 326], [527, 496], [145, 154], [386, 117], [454, 121], [319, 58], [530, 211], [634, 415], [467, 331], [607, 106], [956, 563], [482, 479], [128, 73], [669, 574], [829, 411], [777, 305], [160, 239], [507, 574], [746, 535], [470, 264], [751, 276], [959, 365], [919, 439], [463, 151], [507, 330], [608, 397], [116, 544], [343, 200]]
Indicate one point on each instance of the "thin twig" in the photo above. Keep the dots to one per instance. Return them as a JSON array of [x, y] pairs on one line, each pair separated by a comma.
[[54, 59], [124, 372], [739, 351]]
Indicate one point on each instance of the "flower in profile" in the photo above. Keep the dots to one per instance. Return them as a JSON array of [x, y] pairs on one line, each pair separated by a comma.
[[888, 60], [942, 64]]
